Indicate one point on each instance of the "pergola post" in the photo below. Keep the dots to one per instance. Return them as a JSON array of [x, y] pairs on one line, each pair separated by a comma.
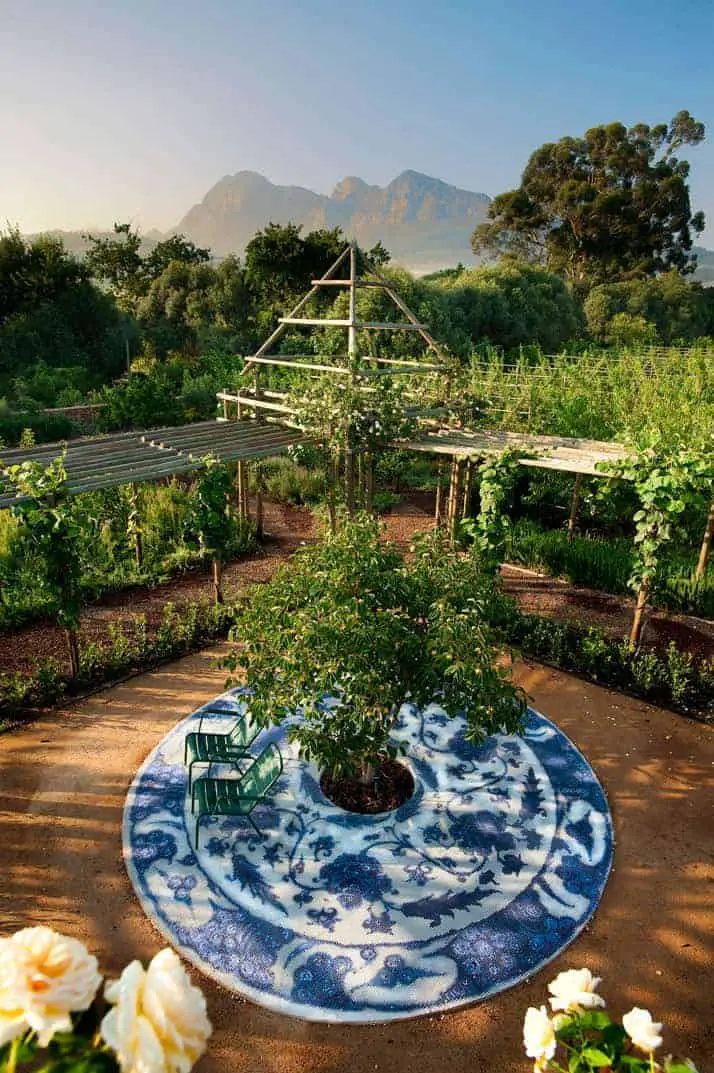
[[575, 506], [706, 544], [259, 488], [352, 358], [369, 482], [454, 488]]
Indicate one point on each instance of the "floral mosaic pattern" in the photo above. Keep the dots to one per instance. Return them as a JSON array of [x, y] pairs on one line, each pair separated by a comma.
[[485, 874]]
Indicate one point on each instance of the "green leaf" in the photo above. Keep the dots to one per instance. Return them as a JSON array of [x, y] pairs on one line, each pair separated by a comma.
[[597, 1058]]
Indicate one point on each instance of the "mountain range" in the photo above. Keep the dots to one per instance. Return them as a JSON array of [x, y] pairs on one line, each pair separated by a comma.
[[426, 224]]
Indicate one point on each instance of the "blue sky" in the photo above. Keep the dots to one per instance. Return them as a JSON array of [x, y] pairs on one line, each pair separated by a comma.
[[132, 111]]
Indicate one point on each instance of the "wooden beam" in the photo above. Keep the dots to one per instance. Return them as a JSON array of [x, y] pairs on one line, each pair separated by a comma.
[[316, 322], [311, 366], [296, 309], [347, 283], [423, 330]]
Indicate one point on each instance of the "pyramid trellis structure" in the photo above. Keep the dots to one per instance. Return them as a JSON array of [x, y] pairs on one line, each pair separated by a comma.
[[351, 365]]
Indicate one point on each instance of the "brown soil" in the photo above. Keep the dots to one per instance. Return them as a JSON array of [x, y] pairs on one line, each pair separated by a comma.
[[392, 786], [63, 782], [287, 529], [554, 598]]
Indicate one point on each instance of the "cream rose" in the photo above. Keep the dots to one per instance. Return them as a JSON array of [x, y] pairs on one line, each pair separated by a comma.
[[575, 990], [538, 1035], [159, 1022], [44, 977], [642, 1030]]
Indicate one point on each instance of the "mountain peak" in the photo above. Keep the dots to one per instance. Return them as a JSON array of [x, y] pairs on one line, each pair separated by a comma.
[[424, 222]]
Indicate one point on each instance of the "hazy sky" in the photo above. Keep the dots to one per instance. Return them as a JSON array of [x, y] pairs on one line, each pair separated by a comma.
[[132, 110]]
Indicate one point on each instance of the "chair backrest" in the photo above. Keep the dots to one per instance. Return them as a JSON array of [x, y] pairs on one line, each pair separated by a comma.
[[263, 772], [243, 732]]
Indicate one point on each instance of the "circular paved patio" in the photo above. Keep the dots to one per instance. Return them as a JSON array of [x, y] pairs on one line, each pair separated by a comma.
[[63, 785], [492, 867]]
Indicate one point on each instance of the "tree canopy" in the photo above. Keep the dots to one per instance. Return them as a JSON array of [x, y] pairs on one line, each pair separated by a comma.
[[612, 204]]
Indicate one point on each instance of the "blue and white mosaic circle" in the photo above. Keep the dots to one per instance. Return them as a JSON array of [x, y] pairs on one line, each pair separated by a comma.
[[492, 867]]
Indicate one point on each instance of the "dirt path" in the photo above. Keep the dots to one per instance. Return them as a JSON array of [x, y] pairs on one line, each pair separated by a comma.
[[63, 783]]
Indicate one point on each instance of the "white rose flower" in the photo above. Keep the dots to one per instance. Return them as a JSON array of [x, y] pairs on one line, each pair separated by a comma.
[[575, 990], [538, 1034], [159, 1022], [44, 977], [642, 1030]]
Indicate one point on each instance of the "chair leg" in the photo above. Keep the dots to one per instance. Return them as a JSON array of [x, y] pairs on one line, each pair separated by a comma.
[[198, 827], [254, 825]]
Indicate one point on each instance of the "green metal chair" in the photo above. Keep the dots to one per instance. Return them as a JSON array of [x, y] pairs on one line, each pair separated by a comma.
[[218, 748], [238, 797]]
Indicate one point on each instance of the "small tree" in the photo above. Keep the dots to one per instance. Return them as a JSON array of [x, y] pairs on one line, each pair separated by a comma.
[[351, 619], [47, 528], [212, 516], [670, 482]]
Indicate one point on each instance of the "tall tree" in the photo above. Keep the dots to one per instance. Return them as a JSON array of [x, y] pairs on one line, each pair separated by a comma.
[[613, 204], [176, 248]]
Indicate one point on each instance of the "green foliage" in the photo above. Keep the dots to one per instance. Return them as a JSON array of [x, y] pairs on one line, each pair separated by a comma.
[[675, 680], [351, 619], [507, 305], [341, 415], [606, 563], [596, 394], [613, 204], [497, 476], [48, 531], [286, 480], [668, 308], [211, 507], [51, 315], [668, 483]]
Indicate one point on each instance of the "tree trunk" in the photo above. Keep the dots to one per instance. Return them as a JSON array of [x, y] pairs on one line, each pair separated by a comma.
[[217, 569], [367, 774], [575, 506], [73, 649], [638, 619]]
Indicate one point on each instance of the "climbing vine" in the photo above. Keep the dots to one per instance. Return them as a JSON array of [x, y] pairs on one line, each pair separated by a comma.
[[48, 530], [497, 477], [212, 515], [669, 483]]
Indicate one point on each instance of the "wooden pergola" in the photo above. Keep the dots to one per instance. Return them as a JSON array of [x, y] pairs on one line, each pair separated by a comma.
[[131, 458], [351, 366]]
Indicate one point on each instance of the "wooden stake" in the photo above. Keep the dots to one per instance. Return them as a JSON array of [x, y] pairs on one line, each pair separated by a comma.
[[333, 479], [706, 544], [454, 498], [73, 648], [638, 619], [240, 488], [369, 483], [439, 507], [353, 361], [575, 505], [217, 581], [468, 480], [138, 543]]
